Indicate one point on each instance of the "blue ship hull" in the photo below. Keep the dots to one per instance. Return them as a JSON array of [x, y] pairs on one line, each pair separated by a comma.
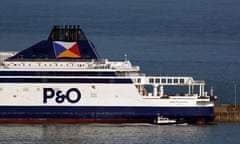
[[114, 114]]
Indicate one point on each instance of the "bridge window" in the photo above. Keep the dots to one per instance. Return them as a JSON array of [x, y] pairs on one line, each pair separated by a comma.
[[169, 80], [151, 80], [175, 81], [163, 80], [181, 80], [157, 80]]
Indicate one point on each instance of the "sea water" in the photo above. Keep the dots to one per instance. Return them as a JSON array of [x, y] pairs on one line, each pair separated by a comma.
[[118, 133], [198, 38]]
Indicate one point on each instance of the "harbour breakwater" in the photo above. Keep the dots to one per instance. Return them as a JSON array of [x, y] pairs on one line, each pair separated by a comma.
[[227, 113]]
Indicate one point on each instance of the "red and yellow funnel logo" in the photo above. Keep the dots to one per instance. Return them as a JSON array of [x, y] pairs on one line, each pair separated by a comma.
[[66, 49]]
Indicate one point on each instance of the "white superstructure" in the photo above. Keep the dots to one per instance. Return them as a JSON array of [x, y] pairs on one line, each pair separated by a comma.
[[89, 88]]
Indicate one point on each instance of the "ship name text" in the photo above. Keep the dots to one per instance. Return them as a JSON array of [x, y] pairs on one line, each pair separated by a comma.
[[72, 95]]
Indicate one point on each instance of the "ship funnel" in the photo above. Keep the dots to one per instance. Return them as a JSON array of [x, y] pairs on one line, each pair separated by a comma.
[[68, 33]]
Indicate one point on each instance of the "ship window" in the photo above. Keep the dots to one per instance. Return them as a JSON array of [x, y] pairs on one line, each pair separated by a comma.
[[163, 80], [169, 80], [151, 80], [157, 80], [25, 89], [175, 81], [1, 89], [139, 80], [181, 80]]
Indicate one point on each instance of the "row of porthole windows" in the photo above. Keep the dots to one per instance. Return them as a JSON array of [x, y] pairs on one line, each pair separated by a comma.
[[158, 80], [24, 89], [47, 65]]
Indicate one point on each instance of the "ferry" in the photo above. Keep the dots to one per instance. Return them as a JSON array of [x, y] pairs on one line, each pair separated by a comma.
[[64, 80]]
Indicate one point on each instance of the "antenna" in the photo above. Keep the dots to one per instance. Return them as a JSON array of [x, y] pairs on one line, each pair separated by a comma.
[[211, 91], [125, 57], [235, 93]]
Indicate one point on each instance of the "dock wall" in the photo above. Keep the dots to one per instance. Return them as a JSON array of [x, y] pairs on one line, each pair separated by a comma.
[[227, 113]]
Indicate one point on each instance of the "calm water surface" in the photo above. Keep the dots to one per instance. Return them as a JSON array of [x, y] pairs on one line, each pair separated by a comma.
[[199, 38], [119, 133]]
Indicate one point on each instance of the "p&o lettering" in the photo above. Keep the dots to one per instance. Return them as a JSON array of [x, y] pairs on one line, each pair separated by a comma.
[[72, 95]]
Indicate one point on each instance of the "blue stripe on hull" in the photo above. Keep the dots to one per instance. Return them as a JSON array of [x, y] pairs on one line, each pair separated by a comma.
[[55, 73], [104, 112], [65, 80]]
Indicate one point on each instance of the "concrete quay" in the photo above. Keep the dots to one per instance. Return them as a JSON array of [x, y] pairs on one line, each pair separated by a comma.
[[227, 113]]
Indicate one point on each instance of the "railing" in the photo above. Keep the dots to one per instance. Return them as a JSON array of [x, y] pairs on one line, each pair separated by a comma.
[[57, 60], [158, 83], [165, 80]]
